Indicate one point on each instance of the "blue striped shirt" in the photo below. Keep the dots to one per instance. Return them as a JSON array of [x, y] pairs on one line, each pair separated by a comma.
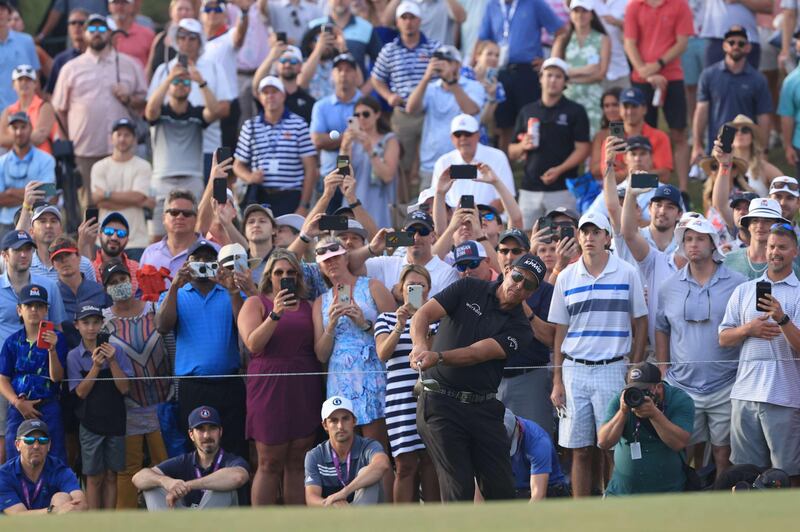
[[287, 142], [401, 68]]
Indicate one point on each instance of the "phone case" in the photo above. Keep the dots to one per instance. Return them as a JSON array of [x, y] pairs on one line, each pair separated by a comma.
[[343, 294], [44, 326]]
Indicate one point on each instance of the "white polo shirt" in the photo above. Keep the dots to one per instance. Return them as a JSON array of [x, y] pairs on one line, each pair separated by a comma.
[[387, 270], [484, 192], [655, 267], [598, 310]]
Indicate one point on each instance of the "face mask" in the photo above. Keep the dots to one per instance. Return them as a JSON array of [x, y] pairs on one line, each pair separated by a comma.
[[121, 291]]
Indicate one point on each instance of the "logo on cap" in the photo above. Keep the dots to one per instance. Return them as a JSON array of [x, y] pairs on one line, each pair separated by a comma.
[[22, 235], [34, 291], [534, 264], [636, 373], [336, 401], [205, 413]]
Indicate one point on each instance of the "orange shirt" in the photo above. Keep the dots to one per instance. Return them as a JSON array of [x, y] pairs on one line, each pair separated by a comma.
[[655, 30], [33, 113], [662, 150]]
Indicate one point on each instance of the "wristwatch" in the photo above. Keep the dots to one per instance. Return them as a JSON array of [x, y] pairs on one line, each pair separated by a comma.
[[661, 63], [441, 358], [273, 316], [203, 85], [107, 195], [367, 325], [784, 320], [356, 203]]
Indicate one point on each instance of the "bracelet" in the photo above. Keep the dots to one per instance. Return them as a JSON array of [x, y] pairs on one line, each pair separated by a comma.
[[304, 237], [50, 508], [203, 85], [356, 203], [273, 316], [27, 207], [481, 239], [441, 358], [398, 331], [784, 320]]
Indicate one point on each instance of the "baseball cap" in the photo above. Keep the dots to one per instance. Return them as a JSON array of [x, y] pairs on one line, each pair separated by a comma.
[[335, 403], [271, 81], [234, 256], [408, 7], [23, 71], [464, 122], [738, 196], [294, 52], [87, 310], [200, 244], [190, 25], [700, 225], [255, 207], [115, 217], [123, 122], [639, 142], [736, 30], [533, 264], [112, 267], [354, 226], [556, 62], [97, 18], [330, 252], [419, 218], [469, 250], [631, 95], [597, 219], [61, 246], [668, 192], [346, 57], [204, 415], [44, 209], [763, 208], [16, 239], [784, 183], [521, 238], [295, 221], [588, 5], [565, 211], [510, 422], [32, 293], [772, 478], [29, 426], [642, 376], [19, 117], [448, 52], [484, 208]]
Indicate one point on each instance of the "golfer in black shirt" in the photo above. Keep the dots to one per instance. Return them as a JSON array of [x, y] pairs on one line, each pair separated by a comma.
[[458, 415]]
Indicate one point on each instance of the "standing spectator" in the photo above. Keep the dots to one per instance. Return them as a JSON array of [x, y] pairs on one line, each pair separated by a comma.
[[789, 111], [752, 261], [656, 34], [554, 140], [164, 46], [133, 39], [114, 238], [483, 68], [468, 30], [18, 49], [693, 59], [321, 45], [257, 43], [293, 17], [289, 66], [718, 19], [612, 15], [275, 155], [439, 18], [765, 400], [60, 7], [728, 88], [94, 91], [587, 374], [281, 412], [786, 191], [357, 35], [39, 111], [121, 183], [76, 45], [516, 27], [46, 226]]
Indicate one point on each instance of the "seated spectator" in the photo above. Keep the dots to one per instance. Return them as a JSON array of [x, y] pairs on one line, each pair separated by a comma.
[[328, 482], [53, 485], [610, 112], [208, 477], [289, 61], [114, 232], [483, 68], [101, 406], [133, 38], [39, 111]]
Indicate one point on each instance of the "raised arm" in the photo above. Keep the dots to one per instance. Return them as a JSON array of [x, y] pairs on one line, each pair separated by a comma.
[[630, 227]]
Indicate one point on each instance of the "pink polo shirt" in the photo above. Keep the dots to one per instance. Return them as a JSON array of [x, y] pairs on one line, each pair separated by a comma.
[[655, 30], [136, 43]]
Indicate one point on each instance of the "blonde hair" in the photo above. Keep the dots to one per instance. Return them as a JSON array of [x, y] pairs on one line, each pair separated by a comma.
[[265, 284], [414, 268]]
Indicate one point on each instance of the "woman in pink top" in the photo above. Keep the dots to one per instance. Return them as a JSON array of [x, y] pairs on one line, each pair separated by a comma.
[[40, 112]]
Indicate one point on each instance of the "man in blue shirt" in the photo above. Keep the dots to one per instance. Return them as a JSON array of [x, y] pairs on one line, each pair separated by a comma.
[[75, 22], [208, 477], [35, 482], [534, 460], [789, 111], [358, 33], [15, 49]]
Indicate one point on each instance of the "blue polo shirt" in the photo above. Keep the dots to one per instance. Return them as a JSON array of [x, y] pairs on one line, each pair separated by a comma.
[[206, 340], [730, 94], [327, 115], [536, 455], [36, 165], [17, 49], [525, 29], [56, 477], [402, 68], [789, 103], [184, 467], [38, 267], [89, 293], [321, 470], [28, 367], [361, 40], [9, 319]]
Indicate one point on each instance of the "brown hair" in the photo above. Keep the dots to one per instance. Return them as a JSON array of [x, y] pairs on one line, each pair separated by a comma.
[[265, 284]]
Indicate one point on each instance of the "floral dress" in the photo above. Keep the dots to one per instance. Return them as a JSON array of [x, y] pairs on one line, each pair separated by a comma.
[[586, 94]]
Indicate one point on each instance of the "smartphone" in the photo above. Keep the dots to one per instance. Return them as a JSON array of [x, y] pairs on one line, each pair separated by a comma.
[[183, 60], [221, 190], [280, 36], [102, 338], [617, 129], [566, 230], [414, 295], [726, 138], [333, 223], [545, 222], [223, 154], [287, 283], [327, 28], [49, 189], [92, 212], [763, 288], [491, 74], [399, 239], [343, 164], [463, 171], [343, 294], [44, 326], [644, 180]]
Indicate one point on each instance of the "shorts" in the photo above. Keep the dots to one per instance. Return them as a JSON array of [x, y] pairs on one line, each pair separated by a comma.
[[521, 83], [161, 189], [674, 105], [768, 59], [589, 390], [692, 60], [712, 417], [101, 453], [765, 435], [535, 204]]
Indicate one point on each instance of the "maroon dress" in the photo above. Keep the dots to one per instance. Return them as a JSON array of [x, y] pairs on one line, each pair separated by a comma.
[[281, 409]]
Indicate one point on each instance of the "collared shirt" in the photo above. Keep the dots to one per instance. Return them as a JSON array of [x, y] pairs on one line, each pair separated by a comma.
[[130, 264], [185, 467], [402, 68], [9, 319], [55, 477], [136, 42], [177, 140], [440, 108], [158, 255], [525, 28], [28, 367], [789, 102], [293, 19], [387, 270], [276, 149], [768, 369], [83, 91], [536, 455], [699, 364], [36, 165], [17, 49], [206, 341], [655, 267], [89, 292], [598, 310], [484, 193], [38, 268], [331, 114], [321, 470], [256, 45], [79, 362]]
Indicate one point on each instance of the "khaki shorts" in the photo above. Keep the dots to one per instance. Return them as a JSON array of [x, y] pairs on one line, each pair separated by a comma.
[[712, 417]]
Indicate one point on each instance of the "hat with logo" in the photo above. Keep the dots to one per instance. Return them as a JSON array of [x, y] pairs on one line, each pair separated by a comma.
[[468, 251], [112, 267], [419, 218], [533, 264], [21, 116], [32, 293], [464, 122], [87, 310], [16, 239], [408, 7], [189, 25], [336, 403], [520, 237], [255, 207], [123, 122], [565, 211], [512, 429], [764, 208], [448, 52], [44, 209], [295, 221], [772, 478], [556, 62], [234, 257], [670, 193], [597, 219], [642, 376], [204, 415], [698, 224], [639, 142], [784, 183], [201, 244], [271, 81], [355, 227], [632, 95], [736, 29], [23, 71], [115, 216], [345, 57], [29, 426], [740, 196]]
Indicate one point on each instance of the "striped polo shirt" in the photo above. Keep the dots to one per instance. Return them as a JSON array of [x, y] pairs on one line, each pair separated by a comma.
[[401, 68], [286, 143], [767, 372], [598, 310]]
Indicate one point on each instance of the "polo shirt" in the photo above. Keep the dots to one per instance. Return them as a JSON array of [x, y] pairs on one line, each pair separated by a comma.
[[28, 367], [474, 314], [17, 49], [561, 126], [321, 470], [9, 319], [276, 149], [177, 140], [525, 28], [536, 455], [158, 255], [360, 39], [401, 68], [738, 261], [58, 63], [655, 30], [293, 18], [484, 193], [256, 44], [730, 94], [387, 270], [655, 267], [89, 292], [597, 311], [440, 108], [36, 165], [329, 114], [206, 340], [660, 469], [184, 467], [55, 477], [91, 6], [301, 103], [699, 365], [136, 42], [768, 369], [38, 268], [662, 150], [535, 353], [789, 103]]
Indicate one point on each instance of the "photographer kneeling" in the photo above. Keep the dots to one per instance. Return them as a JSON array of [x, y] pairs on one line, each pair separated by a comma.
[[649, 444]]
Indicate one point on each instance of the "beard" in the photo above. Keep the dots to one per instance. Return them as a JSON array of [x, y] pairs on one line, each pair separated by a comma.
[[98, 46], [111, 252], [289, 76]]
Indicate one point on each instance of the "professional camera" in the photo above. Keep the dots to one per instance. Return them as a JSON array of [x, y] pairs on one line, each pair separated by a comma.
[[634, 397], [204, 270]]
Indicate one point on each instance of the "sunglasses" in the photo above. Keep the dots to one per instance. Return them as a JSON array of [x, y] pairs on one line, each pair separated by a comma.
[[110, 231], [469, 265], [281, 273], [775, 228], [513, 251], [290, 60], [180, 212], [30, 440], [461, 134], [519, 277], [780, 185], [184, 82], [737, 43], [212, 9], [365, 114], [422, 231], [488, 216], [745, 130], [96, 29], [325, 249], [295, 18], [77, 22]]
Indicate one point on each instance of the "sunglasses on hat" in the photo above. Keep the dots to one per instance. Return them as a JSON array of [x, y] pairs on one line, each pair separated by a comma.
[[325, 249], [779, 185]]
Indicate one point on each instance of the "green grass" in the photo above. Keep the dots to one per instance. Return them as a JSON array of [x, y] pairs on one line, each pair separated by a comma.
[[685, 512]]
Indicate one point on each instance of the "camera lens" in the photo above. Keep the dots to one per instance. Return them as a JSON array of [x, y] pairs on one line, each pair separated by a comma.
[[633, 397]]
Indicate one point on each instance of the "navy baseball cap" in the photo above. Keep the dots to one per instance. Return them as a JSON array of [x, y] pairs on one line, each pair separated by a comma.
[[17, 239], [668, 192], [32, 293], [124, 122], [204, 415], [345, 57], [115, 217], [469, 250], [642, 376], [632, 95], [19, 117], [87, 310], [739, 196], [639, 142], [202, 243], [419, 217], [517, 235]]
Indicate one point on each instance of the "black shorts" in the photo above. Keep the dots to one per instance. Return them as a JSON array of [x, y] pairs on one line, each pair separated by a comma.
[[674, 105], [521, 83]]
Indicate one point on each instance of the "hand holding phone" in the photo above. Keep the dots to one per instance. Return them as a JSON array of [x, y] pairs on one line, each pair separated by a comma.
[[102, 338], [644, 181], [545, 222], [763, 289], [617, 129], [415, 295], [343, 294], [463, 171], [280, 36], [92, 212], [343, 164], [726, 138], [44, 327], [221, 190], [399, 239], [467, 202]]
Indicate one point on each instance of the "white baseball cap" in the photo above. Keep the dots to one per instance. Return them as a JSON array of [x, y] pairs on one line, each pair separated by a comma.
[[464, 122], [784, 183], [764, 208], [23, 71], [293, 51], [408, 7], [271, 81], [191, 25], [595, 218], [337, 402], [558, 63], [588, 5], [701, 225]]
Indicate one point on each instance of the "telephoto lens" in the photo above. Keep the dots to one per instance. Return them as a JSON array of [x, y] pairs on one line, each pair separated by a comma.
[[633, 397]]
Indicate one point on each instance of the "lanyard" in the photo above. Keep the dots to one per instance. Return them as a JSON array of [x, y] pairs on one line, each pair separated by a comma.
[[217, 463], [36, 490], [337, 465], [508, 14]]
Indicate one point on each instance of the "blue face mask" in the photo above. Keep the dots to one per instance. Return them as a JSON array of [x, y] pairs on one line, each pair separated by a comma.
[[120, 291]]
